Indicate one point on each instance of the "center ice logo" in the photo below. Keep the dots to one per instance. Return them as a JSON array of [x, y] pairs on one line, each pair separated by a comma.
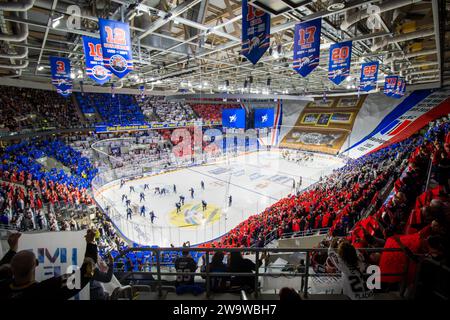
[[192, 215]]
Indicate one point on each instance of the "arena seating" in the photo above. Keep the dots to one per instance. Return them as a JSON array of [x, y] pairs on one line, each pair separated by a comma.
[[23, 108], [121, 109], [212, 112], [157, 109]]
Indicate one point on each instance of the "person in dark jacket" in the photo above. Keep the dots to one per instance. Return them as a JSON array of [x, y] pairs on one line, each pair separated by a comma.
[[241, 265], [22, 283], [96, 289]]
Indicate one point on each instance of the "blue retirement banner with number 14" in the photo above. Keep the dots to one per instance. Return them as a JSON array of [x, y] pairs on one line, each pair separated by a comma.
[[94, 60], [255, 32], [60, 70], [339, 62], [307, 46], [116, 46]]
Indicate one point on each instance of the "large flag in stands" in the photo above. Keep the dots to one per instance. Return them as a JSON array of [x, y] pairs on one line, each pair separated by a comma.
[[369, 76], [255, 32], [60, 69], [116, 46], [307, 46], [339, 62], [94, 60]]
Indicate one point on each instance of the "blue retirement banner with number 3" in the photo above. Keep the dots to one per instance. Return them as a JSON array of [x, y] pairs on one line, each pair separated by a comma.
[[307, 46], [255, 32], [94, 60], [369, 76], [116, 46], [60, 69], [339, 63]]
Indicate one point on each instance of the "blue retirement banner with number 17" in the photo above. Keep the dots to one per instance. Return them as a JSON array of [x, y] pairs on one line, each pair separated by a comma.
[[307, 46], [255, 32], [116, 46], [60, 70], [339, 62], [94, 60]]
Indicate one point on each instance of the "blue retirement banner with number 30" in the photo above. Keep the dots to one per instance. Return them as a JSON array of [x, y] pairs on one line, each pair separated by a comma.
[[255, 32], [94, 60], [116, 46], [369, 76], [307, 46], [60, 69], [339, 63]]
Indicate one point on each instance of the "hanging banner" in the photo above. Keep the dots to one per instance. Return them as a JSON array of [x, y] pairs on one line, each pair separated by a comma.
[[307, 46], [390, 84], [94, 60], [339, 62], [400, 88], [116, 46], [255, 32], [369, 76], [60, 70]]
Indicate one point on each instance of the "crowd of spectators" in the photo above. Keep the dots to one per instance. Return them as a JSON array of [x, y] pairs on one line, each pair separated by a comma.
[[212, 112], [157, 108], [23, 108]]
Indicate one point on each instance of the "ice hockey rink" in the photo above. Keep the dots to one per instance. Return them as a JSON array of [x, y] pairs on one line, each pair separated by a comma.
[[254, 180]]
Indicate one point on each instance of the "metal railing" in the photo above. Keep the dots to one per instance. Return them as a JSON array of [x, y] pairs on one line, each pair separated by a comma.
[[260, 254]]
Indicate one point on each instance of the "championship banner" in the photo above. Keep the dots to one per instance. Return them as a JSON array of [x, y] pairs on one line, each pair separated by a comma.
[[94, 60], [60, 69], [339, 62], [116, 46], [233, 118], [255, 32], [307, 46], [390, 84], [58, 253], [369, 76], [264, 117]]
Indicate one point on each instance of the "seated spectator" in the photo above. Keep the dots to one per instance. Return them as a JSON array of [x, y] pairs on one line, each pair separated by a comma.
[[240, 265], [289, 294]]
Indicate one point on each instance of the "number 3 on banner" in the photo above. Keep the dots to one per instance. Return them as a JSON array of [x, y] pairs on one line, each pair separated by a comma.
[[310, 38], [60, 66], [117, 36]]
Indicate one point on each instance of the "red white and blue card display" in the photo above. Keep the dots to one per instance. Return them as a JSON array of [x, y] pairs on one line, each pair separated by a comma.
[[255, 32], [116, 46], [60, 70], [307, 46], [369, 76], [339, 62], [94, 60]]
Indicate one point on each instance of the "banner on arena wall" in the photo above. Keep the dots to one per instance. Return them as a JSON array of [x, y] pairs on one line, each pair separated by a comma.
[[369, 76], [94, 60], [116, 46], [233, 118], [255, 32], [264, 117], [152, 125], [60, 70], [307, 46], [339, 61], [56, 252], [390, 84], [409, 116]]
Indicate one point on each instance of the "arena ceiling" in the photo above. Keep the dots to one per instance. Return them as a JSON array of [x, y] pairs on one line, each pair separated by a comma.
[[195, 44]]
